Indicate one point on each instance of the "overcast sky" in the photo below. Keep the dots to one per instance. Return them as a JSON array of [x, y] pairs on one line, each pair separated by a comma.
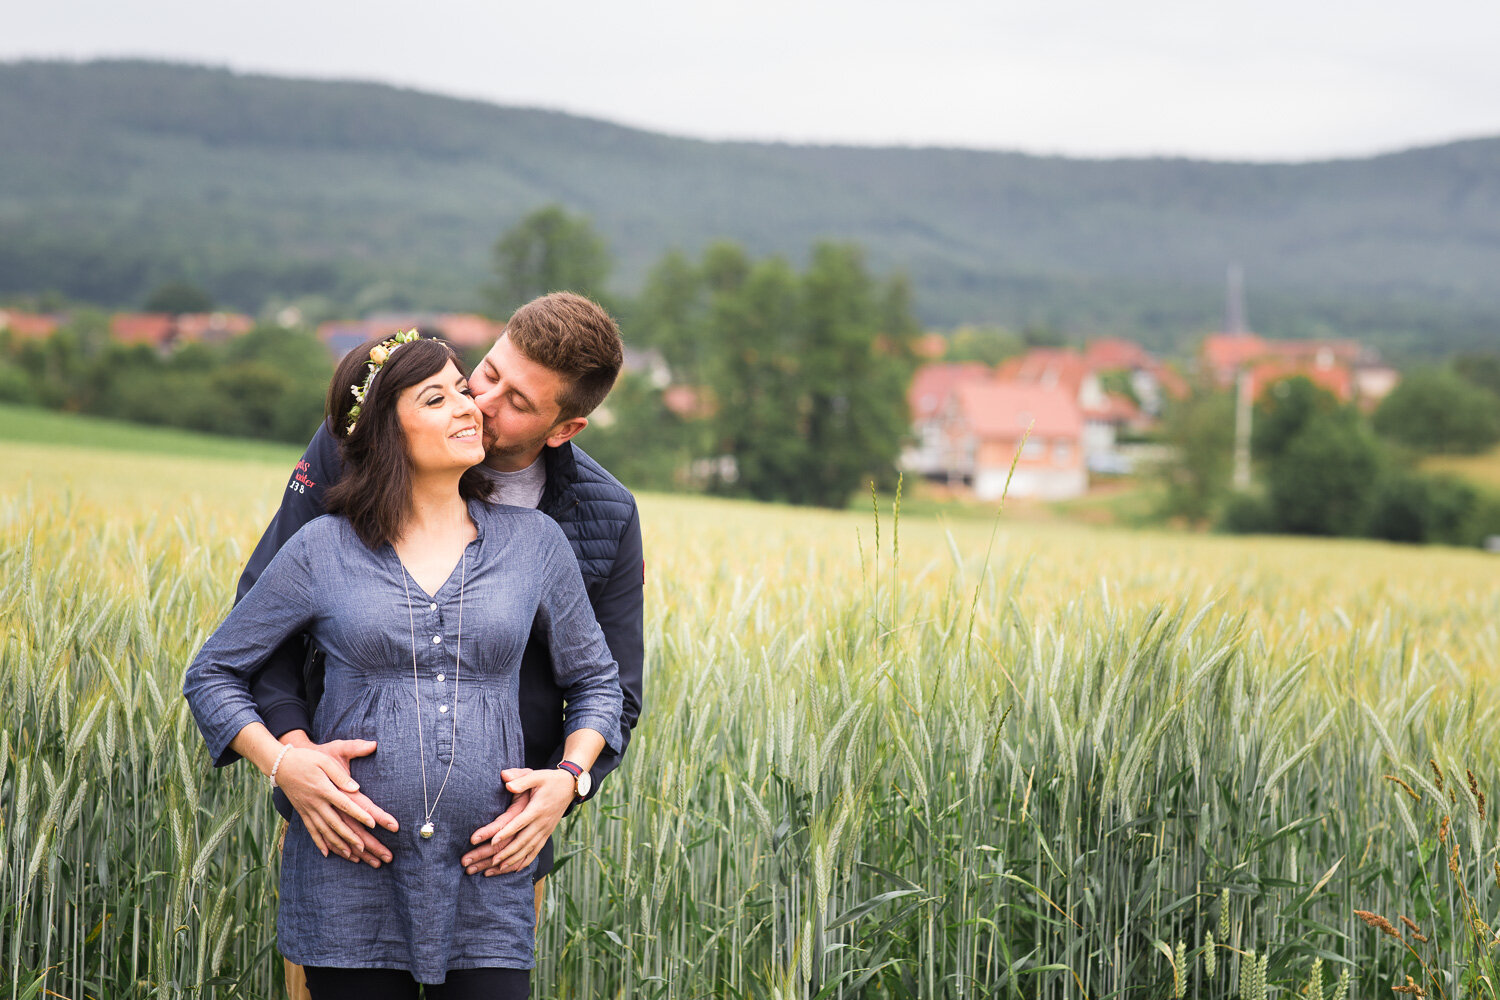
[[1272, 79]]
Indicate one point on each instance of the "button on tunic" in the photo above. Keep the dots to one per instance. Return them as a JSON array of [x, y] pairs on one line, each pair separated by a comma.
[[421, 912]]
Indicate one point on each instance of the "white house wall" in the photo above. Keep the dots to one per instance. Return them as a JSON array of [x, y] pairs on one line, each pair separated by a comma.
[[1098, 438], [1044, 484]]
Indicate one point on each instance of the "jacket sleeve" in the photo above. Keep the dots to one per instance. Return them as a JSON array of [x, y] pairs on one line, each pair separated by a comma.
[[619, 609], [581, 660], [216, 685], [279, 687]]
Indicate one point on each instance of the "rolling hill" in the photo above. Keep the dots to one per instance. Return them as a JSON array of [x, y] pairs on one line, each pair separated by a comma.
[[116, 176]]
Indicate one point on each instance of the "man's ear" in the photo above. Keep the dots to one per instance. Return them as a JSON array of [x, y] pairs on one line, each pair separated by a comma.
[[566, 431]]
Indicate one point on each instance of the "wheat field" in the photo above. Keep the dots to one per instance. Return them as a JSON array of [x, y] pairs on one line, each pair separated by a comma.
[[1482, 470], [880, 757]]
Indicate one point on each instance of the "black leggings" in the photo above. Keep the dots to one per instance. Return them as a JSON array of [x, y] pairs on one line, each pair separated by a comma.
[[397, 984]]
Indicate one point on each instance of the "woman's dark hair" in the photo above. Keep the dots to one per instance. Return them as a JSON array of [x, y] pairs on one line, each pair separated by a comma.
[[374, 491]]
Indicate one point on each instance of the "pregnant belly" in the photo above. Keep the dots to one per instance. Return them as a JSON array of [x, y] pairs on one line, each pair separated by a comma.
[[469, 795]]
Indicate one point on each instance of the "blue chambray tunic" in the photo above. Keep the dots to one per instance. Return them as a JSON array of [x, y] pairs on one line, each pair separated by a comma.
[[421, 912]]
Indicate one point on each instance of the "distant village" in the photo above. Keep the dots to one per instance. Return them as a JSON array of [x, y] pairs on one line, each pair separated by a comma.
[[969, 420], [1085, 415]]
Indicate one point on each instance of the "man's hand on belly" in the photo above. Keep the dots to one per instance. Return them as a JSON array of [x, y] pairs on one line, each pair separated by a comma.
[[513, 840], [352, 840]]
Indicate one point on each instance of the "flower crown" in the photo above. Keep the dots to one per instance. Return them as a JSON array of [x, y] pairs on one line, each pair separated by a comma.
[[379, 355]]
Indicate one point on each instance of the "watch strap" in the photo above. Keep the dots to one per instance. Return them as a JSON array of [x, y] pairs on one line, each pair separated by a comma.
[[582, 784]]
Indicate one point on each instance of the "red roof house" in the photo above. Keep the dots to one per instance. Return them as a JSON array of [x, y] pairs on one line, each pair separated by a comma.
[[1114, 354], [211, 328], [1330, 363], [939, 451], [1337, 379], [1224, 354], [934, 384], [1062, 367], [152, 329], [468, 329], [997, 416], [28, 326]]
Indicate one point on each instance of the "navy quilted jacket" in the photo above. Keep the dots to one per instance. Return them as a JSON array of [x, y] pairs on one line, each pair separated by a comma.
[[598, 516]]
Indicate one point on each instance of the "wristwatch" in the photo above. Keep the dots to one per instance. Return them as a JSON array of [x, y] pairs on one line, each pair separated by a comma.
[[581, 777]]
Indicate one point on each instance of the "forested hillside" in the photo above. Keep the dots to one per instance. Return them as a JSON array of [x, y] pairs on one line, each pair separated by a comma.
[[118, 176]]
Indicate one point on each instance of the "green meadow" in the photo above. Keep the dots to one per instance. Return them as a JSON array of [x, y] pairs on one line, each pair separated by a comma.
[[25, 425], [882, 755]]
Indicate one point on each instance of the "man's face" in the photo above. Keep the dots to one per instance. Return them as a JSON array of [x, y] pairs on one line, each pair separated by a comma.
[[518, 398]]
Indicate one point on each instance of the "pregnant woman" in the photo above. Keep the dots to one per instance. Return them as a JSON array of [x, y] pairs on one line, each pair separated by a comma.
[[422, 597]]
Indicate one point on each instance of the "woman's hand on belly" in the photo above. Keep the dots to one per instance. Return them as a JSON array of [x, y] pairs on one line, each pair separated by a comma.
[[513, 839], [316, 780]]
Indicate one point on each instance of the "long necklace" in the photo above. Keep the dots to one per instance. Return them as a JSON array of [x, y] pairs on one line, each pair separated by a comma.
[[411, 621]]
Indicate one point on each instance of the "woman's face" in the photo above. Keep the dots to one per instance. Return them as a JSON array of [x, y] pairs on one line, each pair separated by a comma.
[[443, 427]]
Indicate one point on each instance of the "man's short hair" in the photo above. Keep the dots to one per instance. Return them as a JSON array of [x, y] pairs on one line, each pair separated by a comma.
[[573, 336]]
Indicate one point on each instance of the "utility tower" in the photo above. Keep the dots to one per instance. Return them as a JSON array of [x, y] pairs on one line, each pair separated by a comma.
[[1234, 301], [1234, 323]]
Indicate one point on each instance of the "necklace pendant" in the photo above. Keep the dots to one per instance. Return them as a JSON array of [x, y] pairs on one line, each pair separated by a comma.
[[426, 831]]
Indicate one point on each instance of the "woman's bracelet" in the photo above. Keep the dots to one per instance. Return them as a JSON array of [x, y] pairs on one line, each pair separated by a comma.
[[276, 766]]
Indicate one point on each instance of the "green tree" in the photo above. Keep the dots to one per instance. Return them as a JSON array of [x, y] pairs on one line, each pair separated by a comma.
[[1482, 370], [1324, 480], [1043, 335], [16, 386], [988, 345], [549, 250], [1200, 431], [894, 364], [800, 379], [1283, 410], [61, 367], [1410, 507], [177, 298], [757, 380], [277, 379], [1435, 410], [855, 363], [297, 352], [725, 266], [803, 378], [637, 437], [669, 316]]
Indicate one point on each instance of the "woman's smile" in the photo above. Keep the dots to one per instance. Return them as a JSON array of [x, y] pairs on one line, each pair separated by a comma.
[[469, 443]]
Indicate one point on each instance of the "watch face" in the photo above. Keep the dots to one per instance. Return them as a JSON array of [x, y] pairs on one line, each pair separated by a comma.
[[584, 784]]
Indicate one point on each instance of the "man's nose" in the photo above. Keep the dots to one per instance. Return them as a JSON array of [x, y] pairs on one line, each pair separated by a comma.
[[485, 398]]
